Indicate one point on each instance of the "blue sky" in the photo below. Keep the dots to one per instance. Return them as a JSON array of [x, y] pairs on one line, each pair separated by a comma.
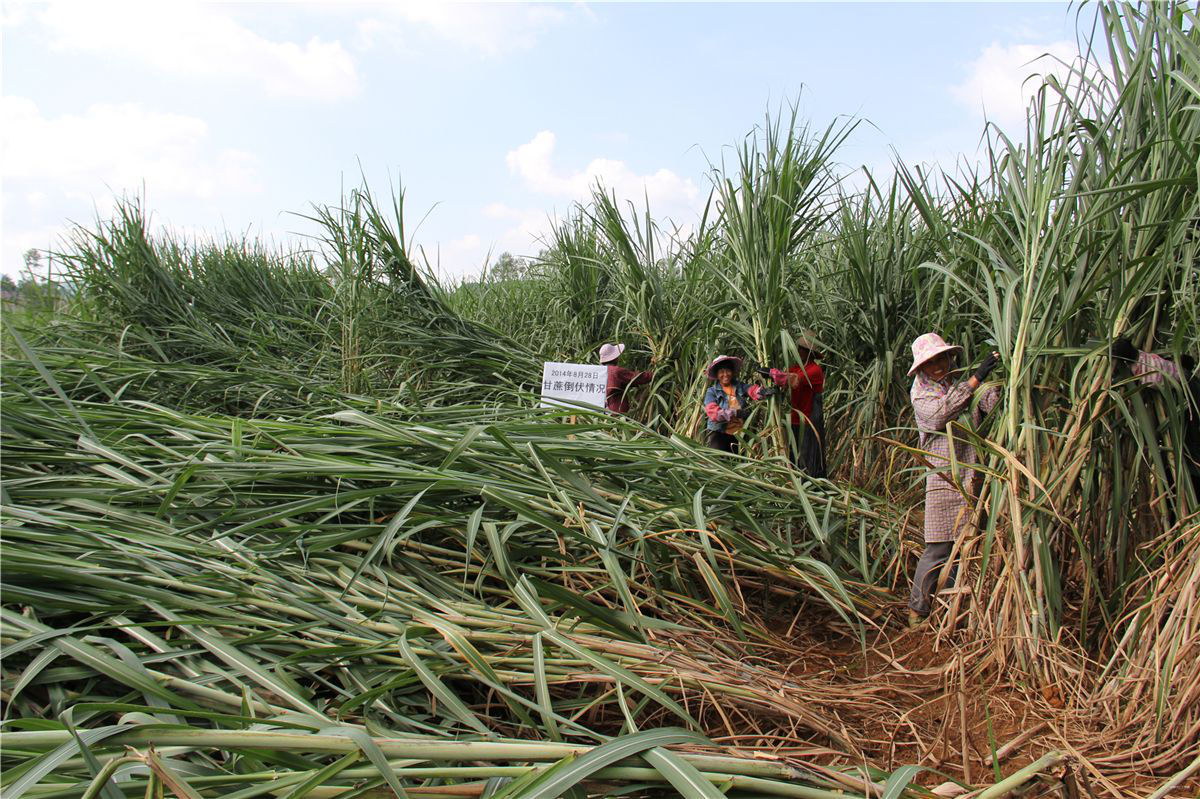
[[238, 116]]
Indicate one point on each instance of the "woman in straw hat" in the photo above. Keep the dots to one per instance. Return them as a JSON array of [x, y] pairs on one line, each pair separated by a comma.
[[727, 402], [950, 493], [619, 378]]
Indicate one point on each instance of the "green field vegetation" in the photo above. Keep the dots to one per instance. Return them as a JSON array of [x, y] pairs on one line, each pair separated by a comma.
[[292, 524]]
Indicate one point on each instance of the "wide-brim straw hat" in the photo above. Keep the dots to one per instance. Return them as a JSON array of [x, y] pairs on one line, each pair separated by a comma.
[[807, 340], [610, 352], [927, 347], [722, 360]]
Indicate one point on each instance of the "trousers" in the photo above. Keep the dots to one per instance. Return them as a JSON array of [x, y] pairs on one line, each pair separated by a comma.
[[723, 441], [925, 578]]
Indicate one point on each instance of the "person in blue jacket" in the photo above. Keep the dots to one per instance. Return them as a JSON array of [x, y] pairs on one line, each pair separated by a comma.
[[727, 402]]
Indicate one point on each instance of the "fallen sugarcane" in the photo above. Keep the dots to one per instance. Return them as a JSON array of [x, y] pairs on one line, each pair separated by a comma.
[[637, 758]]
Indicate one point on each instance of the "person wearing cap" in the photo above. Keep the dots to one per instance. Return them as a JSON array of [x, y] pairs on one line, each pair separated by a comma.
[[619, 378], [727, 402], [950, 493], [806, 385]]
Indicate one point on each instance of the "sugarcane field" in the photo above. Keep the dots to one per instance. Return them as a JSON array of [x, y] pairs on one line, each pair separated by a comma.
[[863, 484]]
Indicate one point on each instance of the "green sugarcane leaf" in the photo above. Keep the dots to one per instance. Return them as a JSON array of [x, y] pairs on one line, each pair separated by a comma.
[[244, 665], [450, 702], [683, 776], [384, 540], [542, 689], [620, 673], [717, 589], [43, 659], [555, 781], [170, 777], [371, 749], [20, 779]]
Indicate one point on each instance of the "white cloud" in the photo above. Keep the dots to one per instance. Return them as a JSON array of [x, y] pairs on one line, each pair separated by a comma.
[[490, 29], [462, 257], [525, 229], [115, 148], [669, 194], [200, 41], [15, 243], [77, 167], [1003, 79], [13, 14]]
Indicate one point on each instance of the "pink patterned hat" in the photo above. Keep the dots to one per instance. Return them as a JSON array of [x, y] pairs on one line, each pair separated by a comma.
[[928, 346], [610, 352], [731, 361]]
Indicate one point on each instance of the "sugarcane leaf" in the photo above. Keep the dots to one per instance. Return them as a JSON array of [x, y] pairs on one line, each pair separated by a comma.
[[384, 540], [232, 657], [555, 781], [27, 775], [683, 776], [449, 700], [170, 777], [620, 673], [371, 749]]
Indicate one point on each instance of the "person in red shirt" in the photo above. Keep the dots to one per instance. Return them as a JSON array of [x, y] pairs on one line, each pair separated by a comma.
[[806, 384], [619, 378]]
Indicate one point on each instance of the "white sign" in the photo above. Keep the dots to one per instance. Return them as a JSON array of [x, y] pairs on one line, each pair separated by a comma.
[[574, 382]]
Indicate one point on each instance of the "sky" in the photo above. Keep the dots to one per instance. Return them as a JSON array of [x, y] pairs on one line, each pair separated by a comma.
[[236, 119]]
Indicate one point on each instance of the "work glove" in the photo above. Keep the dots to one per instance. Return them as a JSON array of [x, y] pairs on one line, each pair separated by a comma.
[[767, 393], [742, 413], [1123, 349], [985, 368]]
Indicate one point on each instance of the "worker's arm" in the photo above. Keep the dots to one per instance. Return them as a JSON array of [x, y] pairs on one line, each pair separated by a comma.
[[935, 411], [713, 409], [1148, 366], [1152, 368], [718, 414], [757, 392]]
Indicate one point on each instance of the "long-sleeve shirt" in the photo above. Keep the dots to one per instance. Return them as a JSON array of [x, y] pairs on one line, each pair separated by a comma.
[[619, 378], [936, 406], [805, 381], [721, 407], [1152, 369]]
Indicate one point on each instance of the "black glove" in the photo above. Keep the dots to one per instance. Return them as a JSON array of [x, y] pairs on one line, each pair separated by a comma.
[[985, 368], [1123, 349], [742, 413], [767, 393]]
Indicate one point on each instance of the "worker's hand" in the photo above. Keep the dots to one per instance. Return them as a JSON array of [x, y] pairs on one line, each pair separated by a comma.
[[742, 413], [767, 393], [989, 364], [1123, 350]]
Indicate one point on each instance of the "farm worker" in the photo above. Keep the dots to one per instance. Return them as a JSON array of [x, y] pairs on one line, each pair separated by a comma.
[[727, 402], [619, 378], [806, 384], [949, 495], [1154, 370], [1151, 368]]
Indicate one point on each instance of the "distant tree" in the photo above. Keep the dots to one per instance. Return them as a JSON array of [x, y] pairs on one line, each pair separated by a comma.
[[509, 267], [35, 290], [7, 284]]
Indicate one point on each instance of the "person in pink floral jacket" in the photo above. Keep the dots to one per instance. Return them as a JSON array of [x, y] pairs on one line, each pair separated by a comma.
[[950, 493]]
